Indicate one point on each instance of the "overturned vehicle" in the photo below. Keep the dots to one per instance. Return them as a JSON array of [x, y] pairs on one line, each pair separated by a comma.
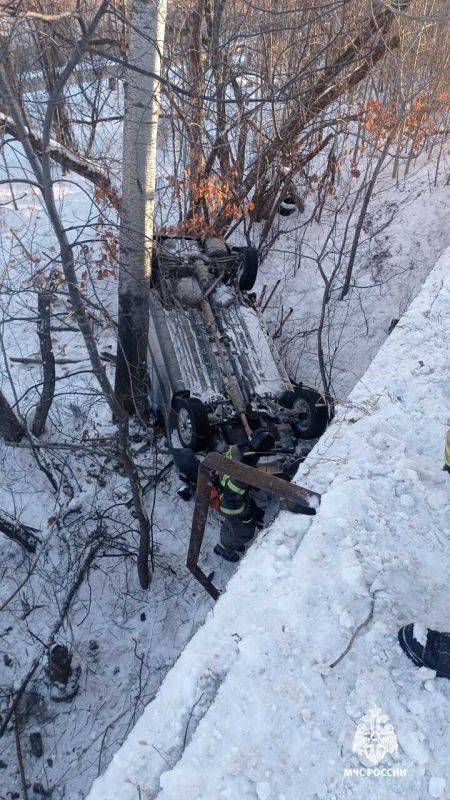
[[216, 375]]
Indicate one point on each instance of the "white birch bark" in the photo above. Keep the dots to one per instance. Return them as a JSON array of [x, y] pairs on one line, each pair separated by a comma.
[[138, 189]]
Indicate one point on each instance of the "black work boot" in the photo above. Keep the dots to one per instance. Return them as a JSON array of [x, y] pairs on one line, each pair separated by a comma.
[[229, 555], [426, 648]]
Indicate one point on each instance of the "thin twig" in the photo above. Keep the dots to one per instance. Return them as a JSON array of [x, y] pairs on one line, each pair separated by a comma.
[[354, 635], [189, 719], [23, 779]]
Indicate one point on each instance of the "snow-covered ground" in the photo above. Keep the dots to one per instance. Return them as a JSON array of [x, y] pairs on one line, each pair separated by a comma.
[[124, 640], [406, 228], [252, 708]]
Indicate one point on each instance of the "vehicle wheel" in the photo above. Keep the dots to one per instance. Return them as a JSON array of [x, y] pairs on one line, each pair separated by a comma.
[[193, 424], [315, 407], [249, 270], [287, 206]]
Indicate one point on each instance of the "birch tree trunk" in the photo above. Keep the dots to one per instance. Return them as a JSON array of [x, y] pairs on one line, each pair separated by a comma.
[[138, 187]]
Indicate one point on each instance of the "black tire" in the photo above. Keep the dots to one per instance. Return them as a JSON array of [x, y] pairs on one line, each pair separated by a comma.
[[314, 404], [249, 270], [193, 428], [287, 206]]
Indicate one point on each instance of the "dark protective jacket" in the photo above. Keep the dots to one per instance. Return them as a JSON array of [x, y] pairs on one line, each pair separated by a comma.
[[235, 501]]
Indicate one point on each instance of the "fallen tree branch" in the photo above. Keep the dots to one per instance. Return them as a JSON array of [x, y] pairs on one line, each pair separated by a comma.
[[65, 158], [24, 535], [88, 446], [31, 360], [12, 11]]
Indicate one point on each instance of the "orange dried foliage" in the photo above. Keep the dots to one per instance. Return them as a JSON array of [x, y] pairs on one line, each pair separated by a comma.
[[216, 195], [420, 122], [109, 250]]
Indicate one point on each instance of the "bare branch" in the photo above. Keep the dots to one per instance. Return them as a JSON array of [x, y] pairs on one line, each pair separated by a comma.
[[18, 532], [355, 633], [65, 158]]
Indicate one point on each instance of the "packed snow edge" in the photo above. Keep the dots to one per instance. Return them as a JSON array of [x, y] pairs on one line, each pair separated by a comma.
[[347, 467]]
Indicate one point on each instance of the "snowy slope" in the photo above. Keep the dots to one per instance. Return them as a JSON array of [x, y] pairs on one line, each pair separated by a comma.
[[252, 709], [406, 230]]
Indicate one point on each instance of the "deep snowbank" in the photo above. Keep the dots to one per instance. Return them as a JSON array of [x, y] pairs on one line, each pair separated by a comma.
[[251, 709]]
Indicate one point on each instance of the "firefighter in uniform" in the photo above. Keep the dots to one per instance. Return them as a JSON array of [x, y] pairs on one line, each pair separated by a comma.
[[240, 514]]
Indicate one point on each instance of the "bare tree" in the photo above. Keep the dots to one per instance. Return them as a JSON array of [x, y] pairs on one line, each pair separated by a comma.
[[43, 177], [147, 28]]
